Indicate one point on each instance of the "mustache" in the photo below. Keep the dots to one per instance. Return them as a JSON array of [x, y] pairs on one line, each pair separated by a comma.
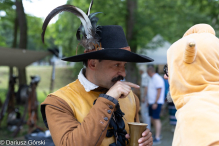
[[117, 78]]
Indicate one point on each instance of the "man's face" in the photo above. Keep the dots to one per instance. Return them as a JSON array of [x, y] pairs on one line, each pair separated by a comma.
[[141, 72], [108, 72], [149, 73]]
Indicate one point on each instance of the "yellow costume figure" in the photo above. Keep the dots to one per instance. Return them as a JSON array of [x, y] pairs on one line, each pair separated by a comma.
[[193, 68]]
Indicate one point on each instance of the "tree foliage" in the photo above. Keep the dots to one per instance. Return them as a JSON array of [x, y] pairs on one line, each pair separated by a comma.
[[34, 25], [6, 22], [168, 18]]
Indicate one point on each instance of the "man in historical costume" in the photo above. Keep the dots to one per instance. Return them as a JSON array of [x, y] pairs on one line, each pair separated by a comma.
[[193, 74], [95, 109]]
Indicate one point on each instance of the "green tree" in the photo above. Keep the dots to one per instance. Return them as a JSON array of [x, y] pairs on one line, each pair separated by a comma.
[[6, 22], [141, 21], [34, 36], [23, 37]]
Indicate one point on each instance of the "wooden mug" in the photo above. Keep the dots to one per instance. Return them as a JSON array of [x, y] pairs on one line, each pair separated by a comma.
[[135, 132]]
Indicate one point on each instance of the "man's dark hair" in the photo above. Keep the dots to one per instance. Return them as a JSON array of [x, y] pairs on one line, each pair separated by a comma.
[[151, 68], [85, 62], [150, 65]]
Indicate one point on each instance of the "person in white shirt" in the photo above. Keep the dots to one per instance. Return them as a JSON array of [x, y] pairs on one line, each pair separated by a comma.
[[155, 94], [144, 108]]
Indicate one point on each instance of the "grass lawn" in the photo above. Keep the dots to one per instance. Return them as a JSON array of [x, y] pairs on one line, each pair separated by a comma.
[[63, 76]]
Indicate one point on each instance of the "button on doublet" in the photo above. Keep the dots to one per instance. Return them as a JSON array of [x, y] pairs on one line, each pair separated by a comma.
[[109, 111], [110, 106], [106, 119]]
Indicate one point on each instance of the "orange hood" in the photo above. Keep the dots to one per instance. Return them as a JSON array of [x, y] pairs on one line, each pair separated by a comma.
[[193, 69]]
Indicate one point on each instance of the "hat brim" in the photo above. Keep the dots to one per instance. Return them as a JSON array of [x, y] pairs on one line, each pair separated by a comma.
[[110, 54]]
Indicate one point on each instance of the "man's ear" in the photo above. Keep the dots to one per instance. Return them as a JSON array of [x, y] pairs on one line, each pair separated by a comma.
[[92, 64]]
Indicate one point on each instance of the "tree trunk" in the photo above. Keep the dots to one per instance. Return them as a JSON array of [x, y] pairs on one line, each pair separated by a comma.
[[23, 37], [132, 71], [14, 45], [52, 77]]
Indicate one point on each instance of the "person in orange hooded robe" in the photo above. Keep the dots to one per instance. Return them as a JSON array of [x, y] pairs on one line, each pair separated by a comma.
[[193, 73]]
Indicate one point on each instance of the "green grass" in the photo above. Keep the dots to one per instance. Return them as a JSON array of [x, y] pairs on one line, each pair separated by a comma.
[[63, 76]]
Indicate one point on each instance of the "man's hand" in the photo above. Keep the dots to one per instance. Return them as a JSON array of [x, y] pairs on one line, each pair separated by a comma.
[[145, 140], [121, 89], [154, 106]]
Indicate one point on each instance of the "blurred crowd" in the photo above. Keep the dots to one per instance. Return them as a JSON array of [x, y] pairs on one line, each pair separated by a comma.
[[154, 99]]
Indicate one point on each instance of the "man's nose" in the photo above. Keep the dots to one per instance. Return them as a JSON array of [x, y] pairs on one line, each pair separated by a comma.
[[122, 72]]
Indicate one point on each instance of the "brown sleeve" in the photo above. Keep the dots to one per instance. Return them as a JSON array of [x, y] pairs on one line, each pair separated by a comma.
[[137, 109], [67, 131]]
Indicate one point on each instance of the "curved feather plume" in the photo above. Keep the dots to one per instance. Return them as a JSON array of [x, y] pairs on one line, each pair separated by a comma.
[[93, 43], [80, 29], [93, 20], [91, 4], [70, 8], [90, 44]]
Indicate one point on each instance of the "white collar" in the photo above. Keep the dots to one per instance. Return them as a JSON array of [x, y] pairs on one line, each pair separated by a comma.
[[88, 86]]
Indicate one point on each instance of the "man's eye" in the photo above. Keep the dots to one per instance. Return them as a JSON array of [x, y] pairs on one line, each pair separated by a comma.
[[117, 65]]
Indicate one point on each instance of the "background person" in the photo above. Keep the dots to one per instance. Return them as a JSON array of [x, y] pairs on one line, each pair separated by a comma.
[[144, 100], [155, 96]]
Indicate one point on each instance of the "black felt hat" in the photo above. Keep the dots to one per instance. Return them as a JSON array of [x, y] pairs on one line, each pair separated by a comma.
[[114, 47], [54, 51]]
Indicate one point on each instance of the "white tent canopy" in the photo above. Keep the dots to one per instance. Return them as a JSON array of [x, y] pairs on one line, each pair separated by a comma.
[[20, 57], [159, 53]]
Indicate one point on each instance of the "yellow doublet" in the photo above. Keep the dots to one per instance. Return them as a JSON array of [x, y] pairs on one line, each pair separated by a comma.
[[81, 102], [194, 87]]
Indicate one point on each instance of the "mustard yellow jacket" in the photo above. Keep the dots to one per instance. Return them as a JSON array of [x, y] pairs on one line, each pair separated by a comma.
[[73, 120]]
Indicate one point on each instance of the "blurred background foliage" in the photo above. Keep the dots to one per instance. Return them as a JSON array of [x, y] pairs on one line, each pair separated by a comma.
[[169, 18]]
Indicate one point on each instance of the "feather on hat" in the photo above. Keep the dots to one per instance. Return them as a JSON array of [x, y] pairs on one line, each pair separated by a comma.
[[87, 29]]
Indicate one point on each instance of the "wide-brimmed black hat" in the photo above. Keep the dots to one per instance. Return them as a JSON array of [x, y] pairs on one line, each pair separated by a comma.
[[114, 47], [54, 51]]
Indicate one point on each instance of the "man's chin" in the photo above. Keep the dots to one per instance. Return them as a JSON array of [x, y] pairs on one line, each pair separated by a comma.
[[111, 84]]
